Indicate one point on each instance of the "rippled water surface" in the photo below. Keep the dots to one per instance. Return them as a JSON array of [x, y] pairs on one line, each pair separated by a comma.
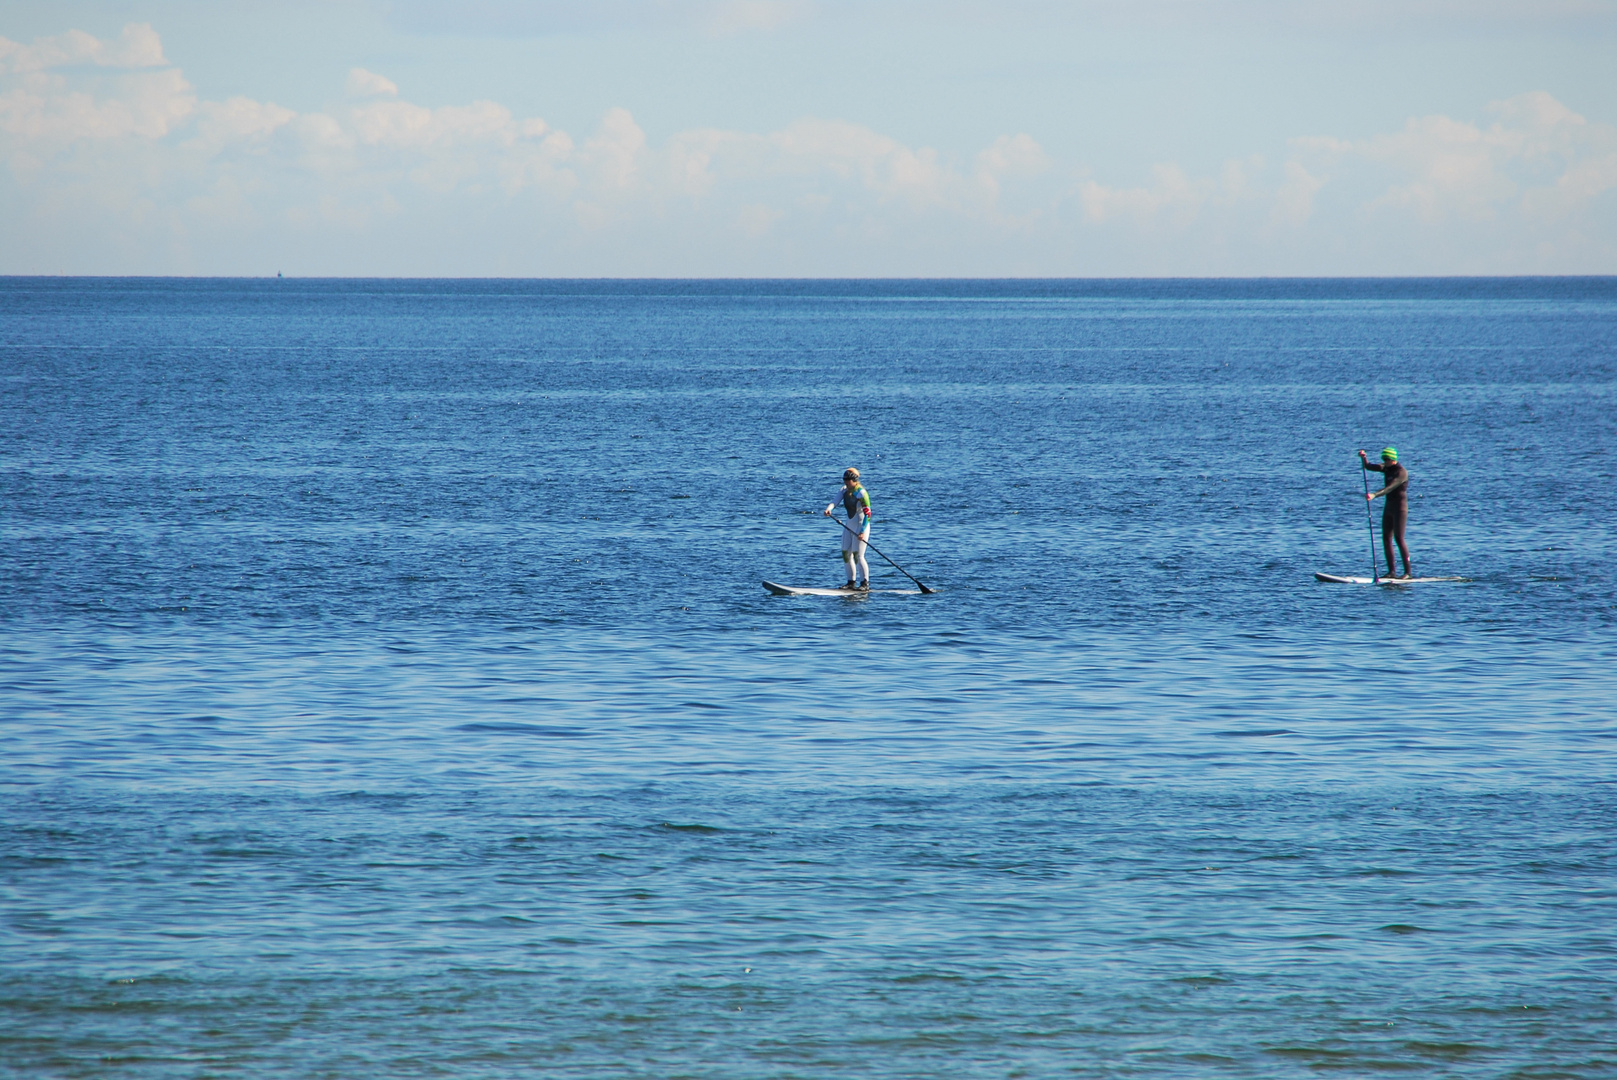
[[387, 689]]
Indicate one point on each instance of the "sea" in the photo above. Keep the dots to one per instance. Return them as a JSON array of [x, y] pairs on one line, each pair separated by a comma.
[[388, 689]]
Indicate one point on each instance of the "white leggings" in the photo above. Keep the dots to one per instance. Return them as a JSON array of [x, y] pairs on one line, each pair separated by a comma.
[[853, 553]]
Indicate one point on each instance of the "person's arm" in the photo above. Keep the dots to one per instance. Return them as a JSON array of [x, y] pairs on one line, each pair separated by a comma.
[[864, 511], [1364, 460], [1395, 485]]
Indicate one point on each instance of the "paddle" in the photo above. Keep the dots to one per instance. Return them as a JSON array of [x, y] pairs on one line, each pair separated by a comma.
[[1375, 567], [872, 547]]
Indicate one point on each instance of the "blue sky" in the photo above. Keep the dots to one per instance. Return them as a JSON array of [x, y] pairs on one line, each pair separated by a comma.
[[809, 137]]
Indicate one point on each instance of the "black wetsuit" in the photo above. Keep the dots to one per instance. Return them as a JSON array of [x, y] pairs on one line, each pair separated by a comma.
[[1394, 510]]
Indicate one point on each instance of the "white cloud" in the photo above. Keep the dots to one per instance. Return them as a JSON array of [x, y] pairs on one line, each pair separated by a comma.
[[46, 108], [1294, 198], [690, 157], [509, 18], [138, 46], [1359, 18], [240, 118], [738, 16], [89, 134], [364, 84], [1366, 18], [1537, 156], [1453, 167], [613, 154], [913, 176], [539, 162], [1171, 195], [1012, 155], [1009, 159], [756, 219], [1583, 182], [400, 125]]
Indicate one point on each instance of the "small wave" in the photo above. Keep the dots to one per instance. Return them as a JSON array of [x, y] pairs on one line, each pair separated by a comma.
[[508, 728]]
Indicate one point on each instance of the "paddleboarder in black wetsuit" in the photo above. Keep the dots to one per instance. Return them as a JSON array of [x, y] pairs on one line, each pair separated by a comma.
[[1395, 512]]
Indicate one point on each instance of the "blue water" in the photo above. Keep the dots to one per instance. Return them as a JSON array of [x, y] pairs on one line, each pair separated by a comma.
[[387, 689]]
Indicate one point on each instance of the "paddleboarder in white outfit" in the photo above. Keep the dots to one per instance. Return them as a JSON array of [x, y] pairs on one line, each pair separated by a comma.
[[856, 532]]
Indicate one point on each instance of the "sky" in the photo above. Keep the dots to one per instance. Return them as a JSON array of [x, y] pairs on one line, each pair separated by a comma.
[[808, 138]]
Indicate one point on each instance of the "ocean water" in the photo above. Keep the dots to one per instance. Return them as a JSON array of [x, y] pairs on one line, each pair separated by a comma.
[[387, 688]]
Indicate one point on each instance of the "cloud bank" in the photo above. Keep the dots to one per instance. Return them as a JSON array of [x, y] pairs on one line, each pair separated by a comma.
[[1372, 18], [114, 164]]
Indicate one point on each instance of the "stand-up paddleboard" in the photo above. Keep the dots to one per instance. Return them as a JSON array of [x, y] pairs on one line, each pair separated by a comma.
[[1335, 579], [805, 590]]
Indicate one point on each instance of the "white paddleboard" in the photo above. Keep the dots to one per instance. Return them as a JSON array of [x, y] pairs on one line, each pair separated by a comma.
[[805, 590], [1337, 580]]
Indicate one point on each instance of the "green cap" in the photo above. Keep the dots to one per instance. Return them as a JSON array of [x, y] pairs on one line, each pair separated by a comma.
[[1390, 454]]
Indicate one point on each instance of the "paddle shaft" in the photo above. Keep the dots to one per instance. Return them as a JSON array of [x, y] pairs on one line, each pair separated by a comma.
[[873, 547], [1369, 523]]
